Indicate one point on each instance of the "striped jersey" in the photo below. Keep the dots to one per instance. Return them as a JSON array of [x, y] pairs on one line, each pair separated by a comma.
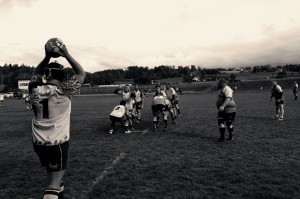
[[51, 104], [160, 99]]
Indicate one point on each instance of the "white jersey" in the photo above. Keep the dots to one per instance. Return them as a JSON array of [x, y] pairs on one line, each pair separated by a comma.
[[163, 93], [138, 95], [130, 104], [52, 107], [224, 93], [118, 111], [126, 95], [170, 93], [295, 88], [1, 97]]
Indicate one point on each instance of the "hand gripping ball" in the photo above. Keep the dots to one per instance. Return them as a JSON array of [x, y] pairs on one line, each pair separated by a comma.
[[53, 47]]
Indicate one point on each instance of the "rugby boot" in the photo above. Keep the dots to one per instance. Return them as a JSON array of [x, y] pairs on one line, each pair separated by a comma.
[[230, 137], [222, 137]]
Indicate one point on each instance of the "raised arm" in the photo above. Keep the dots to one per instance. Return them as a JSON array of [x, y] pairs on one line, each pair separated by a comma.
[[74, 64], [39, 70], [77, 68]]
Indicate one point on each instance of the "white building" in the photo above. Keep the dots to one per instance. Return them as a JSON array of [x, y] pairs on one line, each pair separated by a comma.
[[23, 81]]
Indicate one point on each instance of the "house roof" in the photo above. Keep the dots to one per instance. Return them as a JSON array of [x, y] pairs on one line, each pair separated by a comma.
[[23, 76]]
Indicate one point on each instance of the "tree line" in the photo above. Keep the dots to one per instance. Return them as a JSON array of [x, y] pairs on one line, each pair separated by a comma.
[[139, 74]]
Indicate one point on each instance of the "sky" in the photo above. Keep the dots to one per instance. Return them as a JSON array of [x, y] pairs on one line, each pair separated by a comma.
[[115, 34]]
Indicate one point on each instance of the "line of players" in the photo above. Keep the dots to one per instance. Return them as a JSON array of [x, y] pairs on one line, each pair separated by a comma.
[[165, 104]]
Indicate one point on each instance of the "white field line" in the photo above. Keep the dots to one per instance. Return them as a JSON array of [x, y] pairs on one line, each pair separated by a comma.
[[103, 174], [142, 132]]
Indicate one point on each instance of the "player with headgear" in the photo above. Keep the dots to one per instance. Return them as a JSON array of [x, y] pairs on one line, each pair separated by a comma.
[[50, 97]]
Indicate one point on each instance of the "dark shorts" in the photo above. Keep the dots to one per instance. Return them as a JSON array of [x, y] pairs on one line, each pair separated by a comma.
[[175, 102], [54, 158], [138, 105], [116, 119], [279, 102], [226, 117], [158, 109]]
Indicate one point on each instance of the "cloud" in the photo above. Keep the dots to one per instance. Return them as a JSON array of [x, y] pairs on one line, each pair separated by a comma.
[[7, 5], [104, 36]]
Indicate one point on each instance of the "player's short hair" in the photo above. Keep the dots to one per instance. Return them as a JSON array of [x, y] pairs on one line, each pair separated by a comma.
[[157, 86], [122, 102], [54, 70]]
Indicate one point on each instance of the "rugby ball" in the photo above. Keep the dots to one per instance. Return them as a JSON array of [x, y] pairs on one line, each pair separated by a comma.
[[53, 47]]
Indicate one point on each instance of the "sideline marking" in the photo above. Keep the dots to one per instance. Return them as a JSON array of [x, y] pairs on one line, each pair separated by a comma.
[[103, 174], [141, 131]]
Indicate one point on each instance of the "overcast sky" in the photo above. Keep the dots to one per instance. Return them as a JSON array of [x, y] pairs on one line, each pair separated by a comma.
[[113, 34]]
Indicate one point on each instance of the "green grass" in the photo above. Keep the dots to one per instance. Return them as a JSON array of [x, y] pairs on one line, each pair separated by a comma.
[[184, 162]]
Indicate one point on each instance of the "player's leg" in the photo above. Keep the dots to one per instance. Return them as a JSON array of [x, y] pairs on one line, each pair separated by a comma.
[[155, 117], [155, 122], [165, 114], [281, 111], [55, 159], [276, 109], [172, 111], [61, 190], [54, 180], [112, 125], [139, 111], [177, 107], [221, 123], [131, 125], [230, 117], [126, 124]]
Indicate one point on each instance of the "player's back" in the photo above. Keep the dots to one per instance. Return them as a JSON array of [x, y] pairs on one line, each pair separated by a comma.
[[118, 111]]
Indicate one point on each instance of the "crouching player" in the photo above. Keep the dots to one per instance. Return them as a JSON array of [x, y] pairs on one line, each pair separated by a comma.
[[226, 109], [160, 105], [119, 115]]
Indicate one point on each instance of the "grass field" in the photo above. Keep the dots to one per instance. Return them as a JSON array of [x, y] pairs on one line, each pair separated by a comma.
[[263, 160]]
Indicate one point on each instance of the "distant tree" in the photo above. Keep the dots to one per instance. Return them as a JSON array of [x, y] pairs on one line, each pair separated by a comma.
[[187, 78], [193, 68], [184, 70]]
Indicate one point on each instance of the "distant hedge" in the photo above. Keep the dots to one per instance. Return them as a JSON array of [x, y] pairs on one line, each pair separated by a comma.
[[202, 86]]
